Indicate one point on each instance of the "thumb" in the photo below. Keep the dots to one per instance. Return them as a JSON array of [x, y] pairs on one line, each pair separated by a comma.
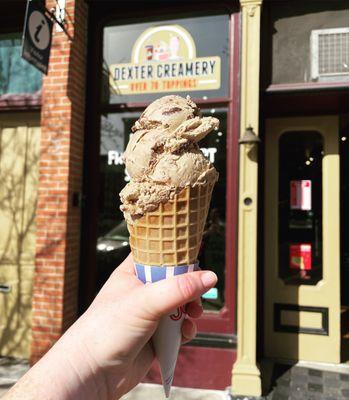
[[162, 297]]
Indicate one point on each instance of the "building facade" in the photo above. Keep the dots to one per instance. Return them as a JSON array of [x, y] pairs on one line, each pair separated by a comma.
[[276, 230]]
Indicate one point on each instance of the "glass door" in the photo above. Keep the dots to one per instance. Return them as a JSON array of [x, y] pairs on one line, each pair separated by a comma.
[[302, 266]]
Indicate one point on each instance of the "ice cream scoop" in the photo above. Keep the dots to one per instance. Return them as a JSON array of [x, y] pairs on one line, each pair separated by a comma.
[[167, 112], [163, 156]]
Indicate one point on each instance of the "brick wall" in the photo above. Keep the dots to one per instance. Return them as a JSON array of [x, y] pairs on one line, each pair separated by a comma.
[[60, 175]]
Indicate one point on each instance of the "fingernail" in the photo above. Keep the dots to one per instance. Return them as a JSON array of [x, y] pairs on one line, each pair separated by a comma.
[[208, 279]]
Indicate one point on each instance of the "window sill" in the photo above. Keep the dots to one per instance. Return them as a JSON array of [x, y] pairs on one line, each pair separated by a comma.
[[307, 86], [20, 101]]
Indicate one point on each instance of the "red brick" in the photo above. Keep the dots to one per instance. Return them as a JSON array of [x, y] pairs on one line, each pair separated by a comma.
[[61, 155]]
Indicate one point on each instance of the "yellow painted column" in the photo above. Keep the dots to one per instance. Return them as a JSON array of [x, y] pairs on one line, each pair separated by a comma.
[[246, 376]]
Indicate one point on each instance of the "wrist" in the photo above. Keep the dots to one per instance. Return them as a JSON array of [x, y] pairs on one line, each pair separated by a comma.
[[64, 373], [87, 373], [76, 370]]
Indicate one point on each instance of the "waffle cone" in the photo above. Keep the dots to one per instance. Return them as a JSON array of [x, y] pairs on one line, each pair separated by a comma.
[[171, 234]]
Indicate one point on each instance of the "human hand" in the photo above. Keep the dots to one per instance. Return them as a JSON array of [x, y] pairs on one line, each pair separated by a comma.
[[108, 350]]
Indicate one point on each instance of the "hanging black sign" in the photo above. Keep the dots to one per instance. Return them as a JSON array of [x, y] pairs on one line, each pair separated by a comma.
[[37, 35]]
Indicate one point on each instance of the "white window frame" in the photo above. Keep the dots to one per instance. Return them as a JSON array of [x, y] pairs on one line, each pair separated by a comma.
[[314, 52]]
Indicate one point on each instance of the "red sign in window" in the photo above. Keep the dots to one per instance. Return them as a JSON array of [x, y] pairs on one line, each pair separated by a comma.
[[300, 256]]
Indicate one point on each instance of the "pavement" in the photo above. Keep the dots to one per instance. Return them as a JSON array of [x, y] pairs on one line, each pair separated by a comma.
[[11, 370], [309, 381], [155, 392], [302, 381]]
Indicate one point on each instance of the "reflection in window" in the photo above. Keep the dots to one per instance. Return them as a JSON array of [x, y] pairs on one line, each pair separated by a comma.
[[113, 237], [300, 207], [16, 74]]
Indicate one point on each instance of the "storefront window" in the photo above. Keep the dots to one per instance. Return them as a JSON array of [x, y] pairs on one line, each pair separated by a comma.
[[182, 55], [113, 237], [309, 42], [16, 74], [179, 54], [300, 207]]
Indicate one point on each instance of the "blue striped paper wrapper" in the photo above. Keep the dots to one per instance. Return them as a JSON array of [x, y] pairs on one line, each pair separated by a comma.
[[154, 273]]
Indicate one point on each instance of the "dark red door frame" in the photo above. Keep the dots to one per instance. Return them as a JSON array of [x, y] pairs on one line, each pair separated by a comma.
[[225, 320], [222, 324]]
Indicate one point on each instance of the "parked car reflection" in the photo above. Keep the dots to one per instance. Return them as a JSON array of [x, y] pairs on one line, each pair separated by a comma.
[[112, 249], [211, 256]]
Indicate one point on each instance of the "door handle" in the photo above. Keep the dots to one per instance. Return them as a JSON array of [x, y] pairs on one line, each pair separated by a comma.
[[4, 288]]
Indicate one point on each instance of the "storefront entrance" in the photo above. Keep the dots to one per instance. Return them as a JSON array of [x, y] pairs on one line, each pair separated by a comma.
[[302, 302], [165, 43]]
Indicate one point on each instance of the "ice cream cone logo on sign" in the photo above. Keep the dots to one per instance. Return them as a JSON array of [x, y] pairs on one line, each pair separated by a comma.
[[163, 51], [163, 43], [164, 60]]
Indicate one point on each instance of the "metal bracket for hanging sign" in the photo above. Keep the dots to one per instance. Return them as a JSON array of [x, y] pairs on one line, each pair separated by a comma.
[[58, 16]]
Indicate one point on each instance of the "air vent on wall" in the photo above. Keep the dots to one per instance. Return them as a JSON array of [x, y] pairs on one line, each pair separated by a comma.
[[330, 55]]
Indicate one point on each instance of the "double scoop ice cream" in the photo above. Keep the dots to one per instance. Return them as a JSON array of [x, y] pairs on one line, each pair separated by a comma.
[[163, 156], [166, 203]]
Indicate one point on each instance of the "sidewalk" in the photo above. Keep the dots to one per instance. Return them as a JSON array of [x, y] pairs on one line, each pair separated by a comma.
[[309, 381], [155, 392], [303, 381], [10, 371]]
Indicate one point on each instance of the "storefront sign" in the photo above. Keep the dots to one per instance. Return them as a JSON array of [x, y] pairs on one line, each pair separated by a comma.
[[37, 36], [164, 60], [300, 256], [300, 195]]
